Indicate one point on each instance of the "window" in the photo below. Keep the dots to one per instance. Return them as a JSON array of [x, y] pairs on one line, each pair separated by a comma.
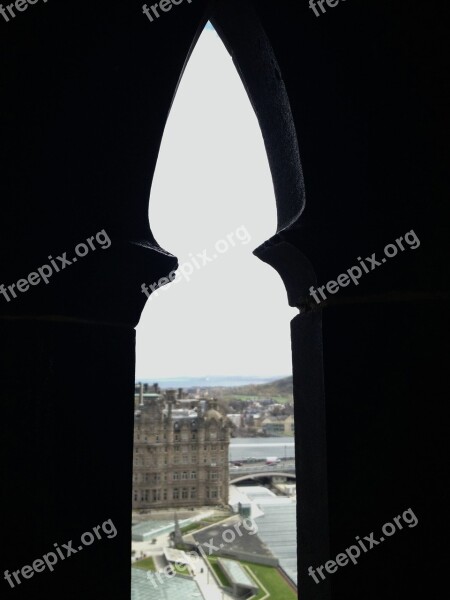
[[193, 493], [176, 494], [193, 474], [176, 476], [184, 494], [216, 436]]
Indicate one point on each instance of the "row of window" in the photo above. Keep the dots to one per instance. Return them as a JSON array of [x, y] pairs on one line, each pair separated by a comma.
[[156, 477], [184, 493], [183, 475], [177, 448], [150, 462], [195, 447], [184, 437]]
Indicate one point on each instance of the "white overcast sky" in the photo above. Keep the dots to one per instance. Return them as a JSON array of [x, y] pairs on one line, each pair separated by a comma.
[[212, 179]]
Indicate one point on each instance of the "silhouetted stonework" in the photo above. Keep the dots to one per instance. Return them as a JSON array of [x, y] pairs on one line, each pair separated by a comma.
[[86, 91]]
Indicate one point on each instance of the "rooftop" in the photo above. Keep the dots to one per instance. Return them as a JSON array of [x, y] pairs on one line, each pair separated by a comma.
[[236, 573], [175, 588]]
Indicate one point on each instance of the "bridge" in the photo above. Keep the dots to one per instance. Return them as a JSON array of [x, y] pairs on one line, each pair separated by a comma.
[[248, 471]]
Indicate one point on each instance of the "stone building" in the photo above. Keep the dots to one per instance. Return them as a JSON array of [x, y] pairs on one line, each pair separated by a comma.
[[180, 452], [279, 426]]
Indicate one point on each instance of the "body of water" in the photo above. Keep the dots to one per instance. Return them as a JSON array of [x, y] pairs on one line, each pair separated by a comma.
[[212, 381]]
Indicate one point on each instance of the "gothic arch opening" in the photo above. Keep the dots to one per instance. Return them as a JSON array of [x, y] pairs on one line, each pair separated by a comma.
[[212, 173], [234, 176]]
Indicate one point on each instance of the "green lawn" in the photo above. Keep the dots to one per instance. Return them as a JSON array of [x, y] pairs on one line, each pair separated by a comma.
[[269, 577], [148, 564], [200, 524], [272, 581], [190, 527], [181, 569], [217, 518], [219, 573], [278, 399]]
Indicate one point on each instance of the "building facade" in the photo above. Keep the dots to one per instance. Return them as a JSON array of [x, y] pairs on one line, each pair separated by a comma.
[[279, 426], [180, 452]]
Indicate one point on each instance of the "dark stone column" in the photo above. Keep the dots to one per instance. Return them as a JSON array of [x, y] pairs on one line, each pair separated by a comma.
[[86, 91], [66, 425]]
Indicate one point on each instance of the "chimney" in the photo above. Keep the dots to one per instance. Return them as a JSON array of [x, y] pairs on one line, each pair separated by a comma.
[[171, 400], [141, 394], [170, 394]]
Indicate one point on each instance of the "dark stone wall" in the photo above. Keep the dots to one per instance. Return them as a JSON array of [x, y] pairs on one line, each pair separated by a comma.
[[365, 83], [67, 449], [86, 90]]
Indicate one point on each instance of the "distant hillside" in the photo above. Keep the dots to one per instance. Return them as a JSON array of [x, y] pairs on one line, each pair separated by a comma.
[[211, 381], [280, 387]]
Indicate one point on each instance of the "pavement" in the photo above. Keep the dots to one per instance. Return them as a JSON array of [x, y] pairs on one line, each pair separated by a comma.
[[205, 580], [146, 548]]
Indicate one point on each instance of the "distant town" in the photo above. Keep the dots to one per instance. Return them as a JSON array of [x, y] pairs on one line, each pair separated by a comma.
[[254, 410]]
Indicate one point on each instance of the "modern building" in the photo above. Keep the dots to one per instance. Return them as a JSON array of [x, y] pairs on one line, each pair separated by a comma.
[[180, 452]]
